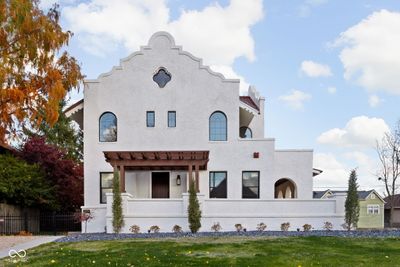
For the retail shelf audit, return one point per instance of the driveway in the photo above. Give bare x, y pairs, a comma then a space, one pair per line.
18, 243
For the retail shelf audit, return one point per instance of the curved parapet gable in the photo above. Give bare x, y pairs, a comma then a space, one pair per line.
162, 41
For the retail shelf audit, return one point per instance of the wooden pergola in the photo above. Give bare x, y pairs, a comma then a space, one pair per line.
158, 160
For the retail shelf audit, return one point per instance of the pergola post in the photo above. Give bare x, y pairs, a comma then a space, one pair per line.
196, 169
122, 178
190, 170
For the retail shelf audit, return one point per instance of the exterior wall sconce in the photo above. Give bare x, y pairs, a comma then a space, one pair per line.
256, 155
178, 180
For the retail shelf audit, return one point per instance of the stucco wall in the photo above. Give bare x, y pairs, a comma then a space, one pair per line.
194, 92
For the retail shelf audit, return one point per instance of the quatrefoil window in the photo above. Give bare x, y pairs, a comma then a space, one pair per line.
162, 77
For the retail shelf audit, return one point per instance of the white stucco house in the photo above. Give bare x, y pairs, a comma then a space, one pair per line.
162, 118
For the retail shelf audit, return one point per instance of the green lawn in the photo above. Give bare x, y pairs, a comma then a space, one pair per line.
230, 251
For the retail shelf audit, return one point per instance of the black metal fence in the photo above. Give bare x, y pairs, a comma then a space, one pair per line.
45, 223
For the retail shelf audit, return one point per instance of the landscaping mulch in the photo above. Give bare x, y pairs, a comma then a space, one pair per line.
349, 234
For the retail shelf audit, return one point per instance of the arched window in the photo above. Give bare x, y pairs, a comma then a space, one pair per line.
285, 188
108, 127
218, 126
245, 132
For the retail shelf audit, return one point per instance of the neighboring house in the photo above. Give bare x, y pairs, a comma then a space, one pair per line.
162, 118
371, 206
396, 212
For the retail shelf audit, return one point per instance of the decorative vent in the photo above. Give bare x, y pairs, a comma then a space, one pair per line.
162, 77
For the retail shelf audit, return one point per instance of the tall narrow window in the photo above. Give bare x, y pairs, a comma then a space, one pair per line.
108, 127
150, 119
106, 179
218, 184
171, 118
245, 132
218, 126
251, 184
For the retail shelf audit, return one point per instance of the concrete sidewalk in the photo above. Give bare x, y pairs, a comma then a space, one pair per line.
27, 245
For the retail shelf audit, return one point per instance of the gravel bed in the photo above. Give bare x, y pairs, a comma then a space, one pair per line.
104, 236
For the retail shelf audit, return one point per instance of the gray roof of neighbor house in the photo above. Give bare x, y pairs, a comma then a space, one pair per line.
361, 194
396, 202
319, 194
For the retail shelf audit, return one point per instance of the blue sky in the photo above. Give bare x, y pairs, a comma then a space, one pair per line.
328, 69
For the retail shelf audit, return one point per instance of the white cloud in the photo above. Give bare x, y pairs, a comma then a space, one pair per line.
217, 34
374, 101
308, 5
296, 99
371, 54
314, 69
334, 174
332, 90
360, 131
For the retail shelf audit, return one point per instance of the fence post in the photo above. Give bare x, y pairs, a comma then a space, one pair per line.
26, 221
54, 223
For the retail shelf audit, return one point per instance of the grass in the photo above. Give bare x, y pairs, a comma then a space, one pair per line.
221, 251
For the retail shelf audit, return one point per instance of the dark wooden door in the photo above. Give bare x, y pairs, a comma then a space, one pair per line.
160, 184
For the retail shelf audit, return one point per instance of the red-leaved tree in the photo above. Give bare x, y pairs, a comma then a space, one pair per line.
64, 174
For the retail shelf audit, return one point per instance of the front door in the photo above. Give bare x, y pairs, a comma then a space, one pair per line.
160, 184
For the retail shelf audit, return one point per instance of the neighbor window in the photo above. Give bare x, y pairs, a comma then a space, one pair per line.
218, 184
171, 118
251, 184
106, 179
218, 126
108, 127
373, 209
150, 119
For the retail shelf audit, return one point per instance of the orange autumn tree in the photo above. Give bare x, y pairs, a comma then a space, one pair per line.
35, 74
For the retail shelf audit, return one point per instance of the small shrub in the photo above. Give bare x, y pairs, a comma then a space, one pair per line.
216, 227
261, 227
177, 229
328, 226
154, 229
134, 229
285, 226
238, 227
307, 227
24, 233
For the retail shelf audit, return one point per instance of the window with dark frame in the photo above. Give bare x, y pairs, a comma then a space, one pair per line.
106, 179
251, 184
218, 184
171, 118
150, 118
218, 127
108, 127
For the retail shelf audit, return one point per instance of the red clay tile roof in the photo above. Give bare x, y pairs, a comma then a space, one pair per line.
248, 101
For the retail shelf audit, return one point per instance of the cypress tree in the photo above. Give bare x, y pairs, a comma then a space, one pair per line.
118, 219
352, 205
194, 212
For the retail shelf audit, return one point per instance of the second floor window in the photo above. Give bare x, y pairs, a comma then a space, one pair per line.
218, 126
150, 119
108, 127
171, 118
